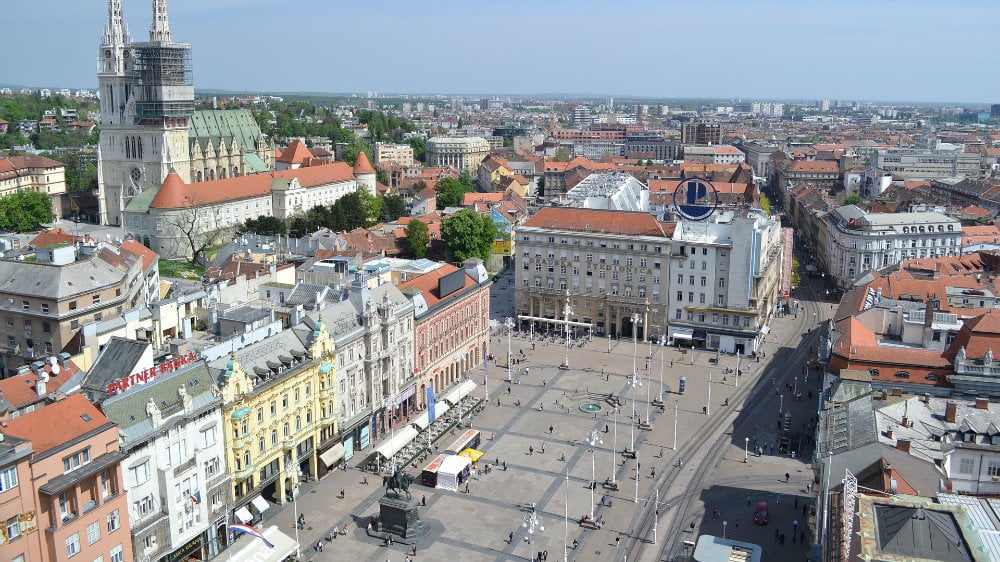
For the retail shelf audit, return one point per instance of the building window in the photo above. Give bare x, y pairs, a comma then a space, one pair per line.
722, 282
677, 314
113, 521
72, 305
76, 460
14, 529
93, 532
966, 466
139, 474
117, 554
96, 299
25, 305
8, 478
45, 307
73, 545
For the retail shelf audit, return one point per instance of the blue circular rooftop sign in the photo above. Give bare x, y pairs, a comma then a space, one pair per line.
696, 199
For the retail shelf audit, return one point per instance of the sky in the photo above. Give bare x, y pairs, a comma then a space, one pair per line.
852, 50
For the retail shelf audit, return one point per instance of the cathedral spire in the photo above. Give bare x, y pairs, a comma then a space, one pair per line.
159, 30
114, 30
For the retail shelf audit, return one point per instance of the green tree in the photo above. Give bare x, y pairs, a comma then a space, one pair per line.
417, 143
264, 225
371, 207
25, 210
541, 186
765, 204
467, 234
449, 193
796, 276
352, 150
465, 178
852, 200
393, 207
417, 239
561, 155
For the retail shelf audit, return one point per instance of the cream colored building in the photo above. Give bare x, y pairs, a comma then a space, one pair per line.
401, 154
464, 153
34, 173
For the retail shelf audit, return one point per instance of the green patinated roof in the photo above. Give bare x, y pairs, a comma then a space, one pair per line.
223, 125
280, 184
140, 203
253, 164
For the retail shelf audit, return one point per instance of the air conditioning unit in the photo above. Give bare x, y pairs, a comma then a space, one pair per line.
995, 478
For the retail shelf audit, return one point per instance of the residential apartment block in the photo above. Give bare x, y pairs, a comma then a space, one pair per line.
608, 266
917, 163
34, 173
401, 154
76, 482
716, 154
462, 153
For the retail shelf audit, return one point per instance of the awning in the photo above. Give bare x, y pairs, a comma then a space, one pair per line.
243, 514
440, 409
332, 455
260, 503
463, 390
682, 333
401, 437
256, 550
764, 331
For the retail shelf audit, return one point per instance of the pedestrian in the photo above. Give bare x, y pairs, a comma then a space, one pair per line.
652, 472
505, 466
531, 451
343, 493
795, 525
466, 487
319, 546
423, 501
778, 500
776, 535
550, 430
302, 521
748, 500
618, 539
414, 550
508, 390
498, 402
510, 538
545, 555
605, 428
781, 539
365, 481
543, 448
787, 476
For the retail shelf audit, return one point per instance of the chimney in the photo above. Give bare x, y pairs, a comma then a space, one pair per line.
950, 410
927, 398
888, 433
903, 445
904, 421
982, 403
932, 308
64, 359
897, 391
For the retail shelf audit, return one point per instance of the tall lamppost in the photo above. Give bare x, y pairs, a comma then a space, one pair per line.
659, 397
635, 341
295, 514
633, 382
676, 405
593, 439
637, 476
532, 522
614, 446
566, 518
737, 370
746, 448
609, 341
566, 312
648, 361
509, 322
708, 406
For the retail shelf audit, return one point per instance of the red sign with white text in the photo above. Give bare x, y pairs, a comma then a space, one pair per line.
145, 375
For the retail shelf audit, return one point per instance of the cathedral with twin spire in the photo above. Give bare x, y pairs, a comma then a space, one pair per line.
149, 125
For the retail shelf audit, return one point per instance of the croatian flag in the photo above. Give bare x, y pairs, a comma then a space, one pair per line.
430, 405
248, 530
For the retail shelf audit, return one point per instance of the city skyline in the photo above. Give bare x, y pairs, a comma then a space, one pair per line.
771, 50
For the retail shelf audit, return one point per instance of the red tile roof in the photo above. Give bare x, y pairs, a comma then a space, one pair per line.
52, 237
134, 247
175, 194
296, 153
20, 390
362, 165
814, 167
595, 220
428, 285
57, 423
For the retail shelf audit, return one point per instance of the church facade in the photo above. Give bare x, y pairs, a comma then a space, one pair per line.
149, 127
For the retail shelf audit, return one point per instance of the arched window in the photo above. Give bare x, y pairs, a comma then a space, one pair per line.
285, 430
274, 437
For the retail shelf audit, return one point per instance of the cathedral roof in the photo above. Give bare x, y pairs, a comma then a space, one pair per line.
175, 194
362, 165
221, 126
296, 153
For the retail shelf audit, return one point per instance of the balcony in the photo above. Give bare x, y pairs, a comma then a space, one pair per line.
288, 443
245, 473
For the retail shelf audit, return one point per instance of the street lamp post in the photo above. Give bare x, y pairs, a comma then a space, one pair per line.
724, 525
509, 322
637, 476
781, 401
737, 370
609, 342
531, 522
659, 397
614, 445
647, 389
633, 382
461, 374
676, 405
593, 439
566, 518
566, 312
708, 407
746, 448
635, 340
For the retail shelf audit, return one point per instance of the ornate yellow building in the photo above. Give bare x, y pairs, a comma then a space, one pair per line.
279, 412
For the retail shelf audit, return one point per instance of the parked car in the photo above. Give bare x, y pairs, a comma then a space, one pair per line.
760, 513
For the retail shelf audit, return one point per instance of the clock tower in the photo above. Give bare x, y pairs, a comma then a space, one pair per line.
147, 99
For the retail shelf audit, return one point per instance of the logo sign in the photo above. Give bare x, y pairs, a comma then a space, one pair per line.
145, 375
696, 199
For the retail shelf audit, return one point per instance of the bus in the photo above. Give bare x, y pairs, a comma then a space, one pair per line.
429, 476
468, 440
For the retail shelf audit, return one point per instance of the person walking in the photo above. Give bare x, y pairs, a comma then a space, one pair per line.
510, 538
787, 477
748, 500
505, 466
531, 450
414, 550
550, 430
423, 501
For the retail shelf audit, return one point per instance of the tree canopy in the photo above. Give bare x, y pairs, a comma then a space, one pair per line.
417, 239
25, 210
393, 207
449, 192
467, 234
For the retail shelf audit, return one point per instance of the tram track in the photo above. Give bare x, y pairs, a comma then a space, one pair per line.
711, 445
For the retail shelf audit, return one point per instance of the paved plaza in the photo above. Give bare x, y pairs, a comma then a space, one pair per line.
476, 525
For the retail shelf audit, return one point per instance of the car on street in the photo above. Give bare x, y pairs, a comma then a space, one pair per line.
760, 513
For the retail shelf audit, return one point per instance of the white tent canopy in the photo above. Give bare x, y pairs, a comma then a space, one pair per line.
463, 390
256, 550
450, 468
422, 421
401, 437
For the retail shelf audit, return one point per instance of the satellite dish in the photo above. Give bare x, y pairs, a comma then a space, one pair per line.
54, 365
